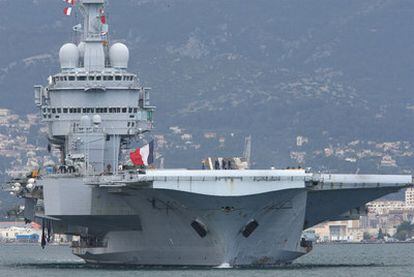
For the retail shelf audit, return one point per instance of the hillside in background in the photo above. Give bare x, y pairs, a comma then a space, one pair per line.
324, 84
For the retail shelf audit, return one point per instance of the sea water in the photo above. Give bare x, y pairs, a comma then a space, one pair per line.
325, 260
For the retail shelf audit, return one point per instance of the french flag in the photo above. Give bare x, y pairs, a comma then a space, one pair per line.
144, 155
72, 2
67, 11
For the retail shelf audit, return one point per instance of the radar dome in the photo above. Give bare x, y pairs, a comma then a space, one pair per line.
96, 119
82, 48
69, 56
85, 122
119, 55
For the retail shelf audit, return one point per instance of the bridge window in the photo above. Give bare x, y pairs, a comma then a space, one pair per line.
65, 110
53, 110
118, 78
124, 110
91, 78
59, 110
71, 78
81, 78
98, 78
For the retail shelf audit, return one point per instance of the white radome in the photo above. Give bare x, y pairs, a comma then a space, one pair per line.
85, 121
97, 119
119, 55
82, 48
69, 56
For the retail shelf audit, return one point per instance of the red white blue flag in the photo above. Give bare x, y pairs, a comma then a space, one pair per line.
67, 11
144, 155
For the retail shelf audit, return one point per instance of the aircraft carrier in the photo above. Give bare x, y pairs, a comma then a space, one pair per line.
95, 110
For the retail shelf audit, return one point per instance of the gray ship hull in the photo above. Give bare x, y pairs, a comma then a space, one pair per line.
156, 228
150, 221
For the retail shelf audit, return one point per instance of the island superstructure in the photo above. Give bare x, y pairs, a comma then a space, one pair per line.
96, 110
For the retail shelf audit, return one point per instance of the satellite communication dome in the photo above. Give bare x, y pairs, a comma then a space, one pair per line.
85, 122
119, 55
81, 48
69, 56
97, 119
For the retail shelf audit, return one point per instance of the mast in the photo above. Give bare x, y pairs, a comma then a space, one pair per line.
95, 32
95, 27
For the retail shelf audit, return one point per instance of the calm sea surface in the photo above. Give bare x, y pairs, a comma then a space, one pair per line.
325, 260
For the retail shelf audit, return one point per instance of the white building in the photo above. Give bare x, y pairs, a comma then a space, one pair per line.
300, 140
409, 197
383, 207
18, 231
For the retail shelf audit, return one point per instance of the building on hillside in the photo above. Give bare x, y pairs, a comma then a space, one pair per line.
4, 112
384, 207
409, 197
300, 140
